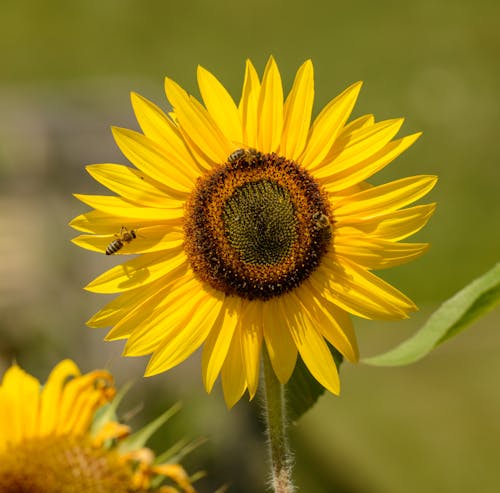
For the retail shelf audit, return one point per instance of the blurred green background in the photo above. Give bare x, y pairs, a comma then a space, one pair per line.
66, 72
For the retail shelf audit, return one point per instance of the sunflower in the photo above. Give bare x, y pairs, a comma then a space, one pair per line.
253, 227
53, 439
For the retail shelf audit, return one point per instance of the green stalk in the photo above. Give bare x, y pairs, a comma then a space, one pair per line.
276, 424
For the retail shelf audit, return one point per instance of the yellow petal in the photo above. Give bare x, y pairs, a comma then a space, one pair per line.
280, 346
270, 109
297, 113
327, 126
356, 124
132, 185
358, 147
251, 343
384, 198
154, 160
19, 421
148, 239
143, 325
359, 292
198, 123
233, 372
357, 172
344, 321
119, 306
395, 225
137, 272
102, 223
218, 342
159, 128
320, 310
375, 253
311, 346
249, 105
51, 396
220, 105
148, 323
118, 206
182, 340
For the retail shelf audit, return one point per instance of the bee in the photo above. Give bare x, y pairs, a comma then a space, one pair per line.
250, 154
320, 220
125, 236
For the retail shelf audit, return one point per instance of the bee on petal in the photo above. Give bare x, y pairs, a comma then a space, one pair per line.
124, 236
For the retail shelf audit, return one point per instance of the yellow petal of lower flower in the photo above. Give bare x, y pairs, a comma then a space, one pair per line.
327, 126
248, 106
218, 342
359, 171
343, 339
52, 393
312, 347
177, 473
270, 109
375, 253
137, 272
123, 208
233, 372
29, 391
297, 112
198, 123
17, 389
220, 105
393, 226
251, 343
132, 185
111, 430
182, 340
155, 161
159, 128
80, 399
384, 198
279, 343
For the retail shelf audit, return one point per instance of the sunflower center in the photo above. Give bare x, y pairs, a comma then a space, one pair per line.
256, 226
64, 464
259, 221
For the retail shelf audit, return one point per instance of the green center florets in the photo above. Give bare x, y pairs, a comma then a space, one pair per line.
260, 222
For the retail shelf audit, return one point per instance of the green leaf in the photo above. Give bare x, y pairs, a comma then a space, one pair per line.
179, 450
303, 390
454, 315
138, 439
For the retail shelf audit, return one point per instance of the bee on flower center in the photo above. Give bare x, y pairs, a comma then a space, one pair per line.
124, 236
320, 220
249, 155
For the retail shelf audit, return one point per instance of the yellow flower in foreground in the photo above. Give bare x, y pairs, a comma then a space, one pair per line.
253, 226
52, 440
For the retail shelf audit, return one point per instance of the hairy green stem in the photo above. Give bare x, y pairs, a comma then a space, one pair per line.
276, 423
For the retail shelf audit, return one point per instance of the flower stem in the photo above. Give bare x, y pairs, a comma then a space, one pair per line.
276, 422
